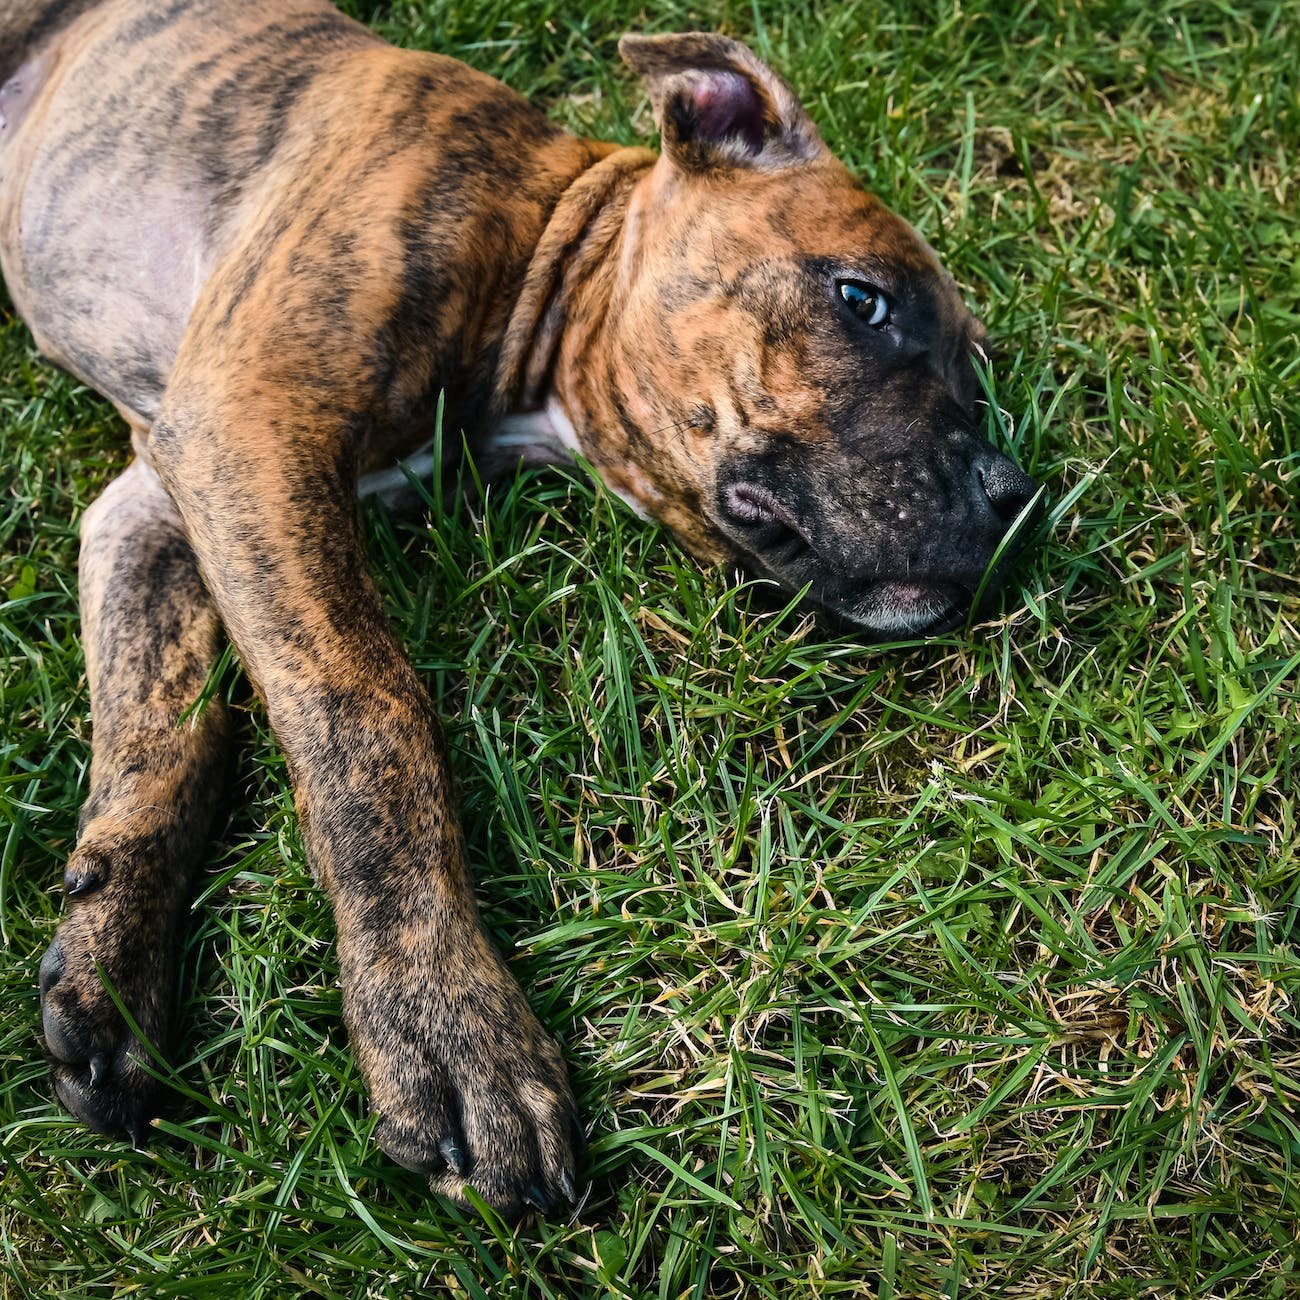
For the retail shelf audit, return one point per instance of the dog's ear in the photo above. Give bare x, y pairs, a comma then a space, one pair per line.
718, 105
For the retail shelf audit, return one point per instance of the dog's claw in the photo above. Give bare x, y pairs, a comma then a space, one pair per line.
454, 1156
567, 1187
538, 1199
53, 965
84, 875
97, 1067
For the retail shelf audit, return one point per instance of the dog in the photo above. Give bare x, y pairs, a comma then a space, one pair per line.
274, 242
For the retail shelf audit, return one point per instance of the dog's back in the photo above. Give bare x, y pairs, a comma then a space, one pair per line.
147, 137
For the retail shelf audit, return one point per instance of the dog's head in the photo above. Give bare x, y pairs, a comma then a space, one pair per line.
786, 377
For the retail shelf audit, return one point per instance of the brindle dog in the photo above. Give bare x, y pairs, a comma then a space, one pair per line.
272, 241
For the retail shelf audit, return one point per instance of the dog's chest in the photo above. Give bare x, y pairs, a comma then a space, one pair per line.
544, 437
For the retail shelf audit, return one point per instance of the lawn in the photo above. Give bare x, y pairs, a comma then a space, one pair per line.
954, 969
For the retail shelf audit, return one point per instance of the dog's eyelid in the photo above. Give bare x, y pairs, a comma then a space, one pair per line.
874, 275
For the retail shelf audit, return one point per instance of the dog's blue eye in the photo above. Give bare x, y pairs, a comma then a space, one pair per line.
867, 303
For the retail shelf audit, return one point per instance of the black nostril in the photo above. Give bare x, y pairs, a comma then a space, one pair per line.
754, 505
1008, 488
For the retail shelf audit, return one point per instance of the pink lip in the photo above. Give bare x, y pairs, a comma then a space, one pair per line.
906, 593
909, 608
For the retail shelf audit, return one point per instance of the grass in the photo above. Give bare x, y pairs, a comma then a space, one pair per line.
955, 970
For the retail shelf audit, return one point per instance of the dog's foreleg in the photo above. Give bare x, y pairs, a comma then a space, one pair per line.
151, 635
470, 1088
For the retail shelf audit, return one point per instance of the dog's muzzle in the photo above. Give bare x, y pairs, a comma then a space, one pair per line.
889, 548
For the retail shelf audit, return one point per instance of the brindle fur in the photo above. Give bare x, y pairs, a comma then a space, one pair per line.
272, 241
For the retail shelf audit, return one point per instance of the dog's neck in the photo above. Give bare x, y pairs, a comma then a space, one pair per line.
542, 398
569, 285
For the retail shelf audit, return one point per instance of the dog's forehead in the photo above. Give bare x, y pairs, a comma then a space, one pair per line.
816, 210
712, 277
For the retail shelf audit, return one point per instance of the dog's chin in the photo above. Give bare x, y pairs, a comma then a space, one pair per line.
897, 610
887, 610
902, 610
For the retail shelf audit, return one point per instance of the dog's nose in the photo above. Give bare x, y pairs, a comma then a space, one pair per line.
1008, 488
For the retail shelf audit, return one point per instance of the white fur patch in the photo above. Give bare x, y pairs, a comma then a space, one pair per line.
545, 437
540, 437
388, 484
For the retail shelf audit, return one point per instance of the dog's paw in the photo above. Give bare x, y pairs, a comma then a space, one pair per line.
95, 1059
471, 1090
513, 1139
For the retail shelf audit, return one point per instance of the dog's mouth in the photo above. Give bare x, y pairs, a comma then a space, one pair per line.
967, 563
886, 609
908, 608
